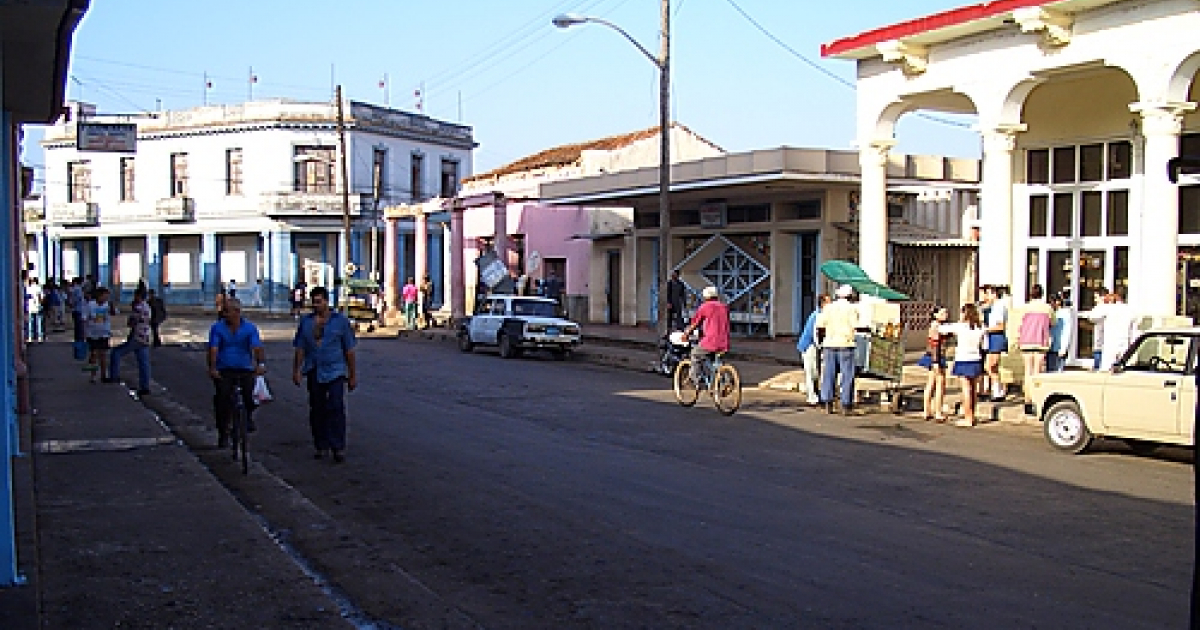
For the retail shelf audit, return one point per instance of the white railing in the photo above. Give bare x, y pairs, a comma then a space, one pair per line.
176, 209
311, 204
76, 213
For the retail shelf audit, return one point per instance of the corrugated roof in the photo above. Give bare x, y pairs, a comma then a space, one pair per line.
568, 154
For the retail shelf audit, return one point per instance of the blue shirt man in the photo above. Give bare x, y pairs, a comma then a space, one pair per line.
234, 346
324, 356
235, 356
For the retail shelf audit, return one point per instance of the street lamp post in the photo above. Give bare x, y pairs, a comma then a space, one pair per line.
663, 63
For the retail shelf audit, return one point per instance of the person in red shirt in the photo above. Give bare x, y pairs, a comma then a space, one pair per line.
712, 318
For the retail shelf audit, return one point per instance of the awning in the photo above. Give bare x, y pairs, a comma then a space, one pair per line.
844, 272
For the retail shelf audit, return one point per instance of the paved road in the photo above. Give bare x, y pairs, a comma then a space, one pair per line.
480, 492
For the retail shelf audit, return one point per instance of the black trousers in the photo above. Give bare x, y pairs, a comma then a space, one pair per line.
155, 338
223, 398
327, 412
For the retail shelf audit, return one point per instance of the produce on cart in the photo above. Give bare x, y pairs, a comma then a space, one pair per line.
359, 307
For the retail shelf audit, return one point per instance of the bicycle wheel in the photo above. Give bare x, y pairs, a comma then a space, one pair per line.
686, 391
727, 389
241, 439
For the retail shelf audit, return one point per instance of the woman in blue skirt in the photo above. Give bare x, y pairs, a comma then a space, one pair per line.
934, 360
968, 358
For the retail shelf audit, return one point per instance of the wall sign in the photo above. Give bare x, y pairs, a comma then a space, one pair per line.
712, 215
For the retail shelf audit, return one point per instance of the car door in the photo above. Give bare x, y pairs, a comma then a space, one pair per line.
479, 321
494, 318
1144, 396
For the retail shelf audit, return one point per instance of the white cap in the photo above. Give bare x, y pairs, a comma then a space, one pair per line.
709, 292
844, 291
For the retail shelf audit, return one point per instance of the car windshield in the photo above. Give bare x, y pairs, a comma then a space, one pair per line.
1160, 353
535, 308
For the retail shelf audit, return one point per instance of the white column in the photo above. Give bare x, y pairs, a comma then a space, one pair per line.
995, 210
872, 209
1154, 289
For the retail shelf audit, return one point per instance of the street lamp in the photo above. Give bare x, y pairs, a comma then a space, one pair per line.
663, 63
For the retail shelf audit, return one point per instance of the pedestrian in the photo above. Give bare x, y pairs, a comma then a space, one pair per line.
231, 288
676, 300
552, 288
712, 320
971, 339
1033, 336
77, 302
235, 357
138, 343
1098, 306
256, 294
297, 298
1061, 332
52, 313
408, 297
158, 315
427, 299
324, 358
89, 285
219, 302
1120, 324
997, 338
35, 304
810, 353
934, 360
98, 314
836, 328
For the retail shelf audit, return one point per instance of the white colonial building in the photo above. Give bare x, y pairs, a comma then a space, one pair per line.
243, 193
1081, 104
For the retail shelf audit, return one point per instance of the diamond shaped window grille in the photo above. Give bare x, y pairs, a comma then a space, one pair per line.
734, 273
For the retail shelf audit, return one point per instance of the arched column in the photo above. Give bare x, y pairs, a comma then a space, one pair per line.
500, 215
458, 290
391, 263
995, 208
420, 247
872, 210
1154, 289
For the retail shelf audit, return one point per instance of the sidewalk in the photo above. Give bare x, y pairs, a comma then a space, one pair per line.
121, 526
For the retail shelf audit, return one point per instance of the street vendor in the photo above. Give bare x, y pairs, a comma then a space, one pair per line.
836, 328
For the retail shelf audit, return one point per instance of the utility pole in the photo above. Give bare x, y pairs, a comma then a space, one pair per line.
664, 167
341, 131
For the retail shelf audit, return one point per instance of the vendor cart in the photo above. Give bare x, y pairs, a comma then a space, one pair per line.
360, 303
879, 351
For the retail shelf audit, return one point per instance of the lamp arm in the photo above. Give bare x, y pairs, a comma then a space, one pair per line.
654, 60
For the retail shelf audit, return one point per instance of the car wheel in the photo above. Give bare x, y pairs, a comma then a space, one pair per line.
1142, 447
507, 349
464, 341
1065, 428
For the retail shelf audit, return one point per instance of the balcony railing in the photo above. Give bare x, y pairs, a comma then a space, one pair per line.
77, 213
176, 209
303, 204
35, 212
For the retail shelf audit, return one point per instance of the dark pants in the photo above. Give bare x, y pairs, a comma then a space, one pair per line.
77, 321
675, 318
327, 412
223, 399
155, 338
141, 352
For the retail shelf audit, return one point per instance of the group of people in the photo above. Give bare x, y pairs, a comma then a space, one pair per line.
412, 296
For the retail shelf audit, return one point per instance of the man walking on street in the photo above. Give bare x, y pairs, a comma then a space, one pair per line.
836, 325
676, 297
324, 356
138, 343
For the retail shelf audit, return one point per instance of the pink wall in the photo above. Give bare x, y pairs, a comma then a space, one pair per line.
548, 230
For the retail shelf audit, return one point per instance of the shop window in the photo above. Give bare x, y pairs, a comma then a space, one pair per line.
1120, 160
1118, 213
1189, 145
1091, 162
1039, 206
1064, 165
758, 213
1189, 209
1037, 166
1091, 214
1063, 207
800, 210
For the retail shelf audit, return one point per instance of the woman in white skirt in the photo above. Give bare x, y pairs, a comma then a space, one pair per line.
968, 358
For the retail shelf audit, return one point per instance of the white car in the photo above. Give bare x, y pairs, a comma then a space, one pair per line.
1147, 399
516, 323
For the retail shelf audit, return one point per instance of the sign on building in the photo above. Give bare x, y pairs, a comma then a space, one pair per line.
117, 137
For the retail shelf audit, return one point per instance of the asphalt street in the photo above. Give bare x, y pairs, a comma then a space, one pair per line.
533, 493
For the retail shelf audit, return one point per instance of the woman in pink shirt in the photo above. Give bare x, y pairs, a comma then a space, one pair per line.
408, 295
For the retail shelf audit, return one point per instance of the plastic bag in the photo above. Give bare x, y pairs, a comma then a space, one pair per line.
261, 393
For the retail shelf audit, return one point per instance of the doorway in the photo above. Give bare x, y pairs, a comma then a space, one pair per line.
314, 269
612, 287
804, 291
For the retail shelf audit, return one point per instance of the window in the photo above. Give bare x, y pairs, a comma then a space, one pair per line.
233, 172
416, 177
1032, 268
179, 174
449, 178
1189, 209
1120, 160
1091, 215
800, 210
1037, 166
759, 213
1118, 213
127, 179
1064, 165
79, 182
378, 173
314, 169
1061, 225
1091, 163
1039, 207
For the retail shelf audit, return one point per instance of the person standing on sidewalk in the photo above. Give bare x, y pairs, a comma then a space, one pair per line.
1060, 334
810, 353
408, 297
158, 315
836, 327
324, 357
138, 343
235, 356
427, 301
968, 358
1033, 337
98, 314
934, 360
34, 307
997, 338
676, 297
76, 300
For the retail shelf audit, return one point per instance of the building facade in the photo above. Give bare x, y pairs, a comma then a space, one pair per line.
243, 193
1082, 105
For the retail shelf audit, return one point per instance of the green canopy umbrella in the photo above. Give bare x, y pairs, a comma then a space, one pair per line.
845, 272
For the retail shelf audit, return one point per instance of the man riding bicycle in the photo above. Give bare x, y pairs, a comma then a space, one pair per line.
235, 357
712, 318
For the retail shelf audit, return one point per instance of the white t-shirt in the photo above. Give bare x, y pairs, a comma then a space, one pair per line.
998, 315
970, 340
33, 299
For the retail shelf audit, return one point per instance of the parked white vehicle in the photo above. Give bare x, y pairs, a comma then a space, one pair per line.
1148, 398
515, 323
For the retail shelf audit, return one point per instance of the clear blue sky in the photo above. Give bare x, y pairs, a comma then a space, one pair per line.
524, 84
